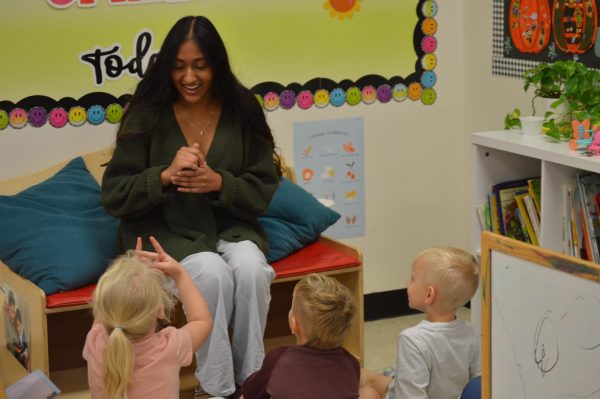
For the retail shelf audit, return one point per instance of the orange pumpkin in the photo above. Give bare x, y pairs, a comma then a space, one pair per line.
575, 25
529, 24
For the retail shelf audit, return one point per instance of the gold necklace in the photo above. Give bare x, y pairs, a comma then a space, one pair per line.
210, 116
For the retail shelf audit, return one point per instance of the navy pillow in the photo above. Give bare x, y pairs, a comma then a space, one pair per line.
56, 233
293, 219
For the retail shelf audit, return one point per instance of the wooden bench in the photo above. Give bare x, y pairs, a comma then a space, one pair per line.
60, 322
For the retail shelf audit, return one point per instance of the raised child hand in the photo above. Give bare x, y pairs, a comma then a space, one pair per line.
159, 259
199, 319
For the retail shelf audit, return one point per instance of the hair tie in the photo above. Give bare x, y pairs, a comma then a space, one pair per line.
118, 327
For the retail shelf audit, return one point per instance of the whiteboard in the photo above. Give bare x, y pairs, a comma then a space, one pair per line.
540, 323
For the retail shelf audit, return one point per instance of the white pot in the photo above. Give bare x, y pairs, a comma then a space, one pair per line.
544, 105
532, 125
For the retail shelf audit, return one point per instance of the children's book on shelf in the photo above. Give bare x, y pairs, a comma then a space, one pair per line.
505, 199
494, 213
534, 186
524, 231
568, 246
525, 215
589, 186
484, 217
576, 223
571, 223
513, 227
533, 217
597, 202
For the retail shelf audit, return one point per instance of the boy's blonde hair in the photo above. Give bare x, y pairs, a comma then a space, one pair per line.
453, 272
127, 301
325, 309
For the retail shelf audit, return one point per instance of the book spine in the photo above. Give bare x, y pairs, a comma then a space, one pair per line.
525, 214
574, 227
567, 236
535, 219
586, 238
523, 225
494, 212
586, 203
488, 217
534, 190
499, 214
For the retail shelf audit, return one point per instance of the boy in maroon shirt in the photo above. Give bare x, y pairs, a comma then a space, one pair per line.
317, 367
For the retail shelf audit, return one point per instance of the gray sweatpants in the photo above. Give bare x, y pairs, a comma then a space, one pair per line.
236, 286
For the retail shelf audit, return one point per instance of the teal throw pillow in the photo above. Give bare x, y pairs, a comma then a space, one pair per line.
56, 233
293, 219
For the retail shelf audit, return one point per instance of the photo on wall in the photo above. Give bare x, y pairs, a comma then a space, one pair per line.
17, 332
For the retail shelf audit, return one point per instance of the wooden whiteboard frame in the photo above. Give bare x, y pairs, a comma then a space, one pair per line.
537, 255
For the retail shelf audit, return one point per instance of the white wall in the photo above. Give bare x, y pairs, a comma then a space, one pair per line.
487, 97
416, 156
28, 150
415, 162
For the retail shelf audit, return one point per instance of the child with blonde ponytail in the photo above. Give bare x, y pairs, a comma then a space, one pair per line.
128, 356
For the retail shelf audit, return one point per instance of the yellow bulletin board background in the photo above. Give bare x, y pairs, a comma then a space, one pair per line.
381, 49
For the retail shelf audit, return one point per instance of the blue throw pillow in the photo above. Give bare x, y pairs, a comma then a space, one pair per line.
293, 219
56, 233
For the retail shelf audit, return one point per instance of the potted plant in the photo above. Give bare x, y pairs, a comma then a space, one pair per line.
548, 81
564, 82
581, 94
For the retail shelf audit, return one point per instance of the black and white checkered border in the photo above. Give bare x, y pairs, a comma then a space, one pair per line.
501, 65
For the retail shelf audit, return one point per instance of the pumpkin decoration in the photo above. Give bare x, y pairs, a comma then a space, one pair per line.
529, 24
575, 25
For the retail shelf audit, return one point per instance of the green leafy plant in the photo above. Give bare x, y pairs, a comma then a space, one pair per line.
512, 121
557, 130
549, 80
546, 79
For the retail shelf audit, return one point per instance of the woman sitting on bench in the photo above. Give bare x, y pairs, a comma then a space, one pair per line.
194, 166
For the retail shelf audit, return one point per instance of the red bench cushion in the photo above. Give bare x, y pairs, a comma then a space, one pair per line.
80, 296
315, 257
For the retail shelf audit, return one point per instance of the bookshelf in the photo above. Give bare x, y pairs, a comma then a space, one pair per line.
507, 155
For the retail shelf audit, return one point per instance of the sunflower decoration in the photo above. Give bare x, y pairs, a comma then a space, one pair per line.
342, 8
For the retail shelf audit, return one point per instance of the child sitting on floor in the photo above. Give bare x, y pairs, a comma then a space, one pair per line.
317, 367
437, 357
127, 356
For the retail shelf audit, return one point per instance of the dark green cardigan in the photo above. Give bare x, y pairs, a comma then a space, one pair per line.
186, 223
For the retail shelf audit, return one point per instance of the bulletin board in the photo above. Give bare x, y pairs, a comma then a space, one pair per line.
540, 322
294, 54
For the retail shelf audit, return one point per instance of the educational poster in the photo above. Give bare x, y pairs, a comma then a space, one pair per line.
17, 331
58, 67
526, 32
329, 163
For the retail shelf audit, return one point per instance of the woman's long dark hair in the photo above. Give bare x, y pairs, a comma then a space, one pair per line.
156, 91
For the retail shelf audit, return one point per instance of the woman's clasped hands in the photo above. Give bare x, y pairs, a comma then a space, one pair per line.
190, 172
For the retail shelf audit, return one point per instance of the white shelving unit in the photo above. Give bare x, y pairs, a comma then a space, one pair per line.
503, 155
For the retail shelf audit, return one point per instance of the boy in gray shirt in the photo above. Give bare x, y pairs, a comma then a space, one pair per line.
437, 357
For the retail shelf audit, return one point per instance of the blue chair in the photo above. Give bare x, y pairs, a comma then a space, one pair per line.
472, 390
